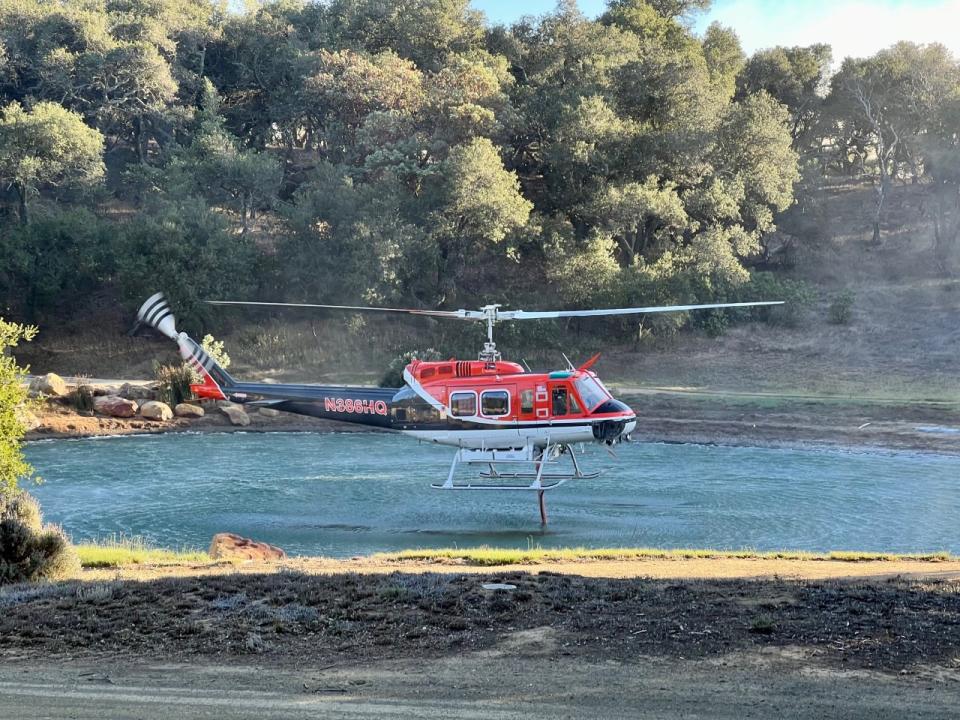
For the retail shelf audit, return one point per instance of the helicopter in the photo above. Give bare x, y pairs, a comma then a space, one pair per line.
518, 424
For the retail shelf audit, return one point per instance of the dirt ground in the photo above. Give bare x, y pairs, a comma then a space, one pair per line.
367, 638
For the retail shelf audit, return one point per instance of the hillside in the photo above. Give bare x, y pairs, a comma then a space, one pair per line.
902, 340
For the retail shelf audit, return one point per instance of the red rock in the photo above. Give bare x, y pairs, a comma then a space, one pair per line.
115, 406
228, 546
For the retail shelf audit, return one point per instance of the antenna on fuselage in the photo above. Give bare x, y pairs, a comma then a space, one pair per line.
569, 364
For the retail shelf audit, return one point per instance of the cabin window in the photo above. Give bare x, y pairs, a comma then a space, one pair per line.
445, 370
526, 402
559, 395
494, 403
463, 404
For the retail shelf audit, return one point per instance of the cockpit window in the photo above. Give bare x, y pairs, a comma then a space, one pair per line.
591, 392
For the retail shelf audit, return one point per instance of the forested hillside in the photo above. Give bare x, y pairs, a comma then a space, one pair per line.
363, 152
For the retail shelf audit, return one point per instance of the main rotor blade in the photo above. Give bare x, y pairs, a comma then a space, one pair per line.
461, 314
547, 314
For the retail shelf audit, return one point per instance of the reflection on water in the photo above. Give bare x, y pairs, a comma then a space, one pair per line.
347, 494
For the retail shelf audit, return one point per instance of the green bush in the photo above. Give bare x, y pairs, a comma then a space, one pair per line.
174, 383
841, 308
796, 295
81, 399
28, 549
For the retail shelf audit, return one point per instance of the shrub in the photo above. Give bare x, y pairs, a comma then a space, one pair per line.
81, 399
173, 383
215, 350
796, 295
28, 549
393, 377
841, 308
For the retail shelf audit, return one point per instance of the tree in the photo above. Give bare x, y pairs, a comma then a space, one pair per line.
47, 147
724, 56
794, 76
13, 395
753, 149
480, 205
888, 104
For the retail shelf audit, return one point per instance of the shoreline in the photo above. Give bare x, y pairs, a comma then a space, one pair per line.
675, 417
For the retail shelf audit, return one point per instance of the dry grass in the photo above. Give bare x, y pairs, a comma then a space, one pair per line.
486, 556
124, 551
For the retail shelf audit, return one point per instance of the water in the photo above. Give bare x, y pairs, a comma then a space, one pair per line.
347, 494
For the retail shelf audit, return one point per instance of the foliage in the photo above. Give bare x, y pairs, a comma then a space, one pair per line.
185, 248
214, 349
796, 295
840, 311
81, 398
46, 146
29, 550
794, 76
56, 260
393, 377
173, 383
13, 395
364, 152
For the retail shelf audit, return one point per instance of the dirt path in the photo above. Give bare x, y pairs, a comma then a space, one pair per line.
523, 677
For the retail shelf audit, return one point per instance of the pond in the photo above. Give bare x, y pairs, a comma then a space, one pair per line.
343, 494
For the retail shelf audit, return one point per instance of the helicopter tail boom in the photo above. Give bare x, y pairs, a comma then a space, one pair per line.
157, 313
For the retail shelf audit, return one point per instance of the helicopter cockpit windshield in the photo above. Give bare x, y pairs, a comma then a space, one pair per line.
591, 392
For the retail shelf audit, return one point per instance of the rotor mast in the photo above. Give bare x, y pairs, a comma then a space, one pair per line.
490, 353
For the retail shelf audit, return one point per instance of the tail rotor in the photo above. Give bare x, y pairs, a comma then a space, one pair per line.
156, 313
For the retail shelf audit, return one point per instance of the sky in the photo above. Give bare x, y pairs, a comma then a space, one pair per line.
853, 27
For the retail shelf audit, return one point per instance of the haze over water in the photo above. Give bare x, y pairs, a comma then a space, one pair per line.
356, 493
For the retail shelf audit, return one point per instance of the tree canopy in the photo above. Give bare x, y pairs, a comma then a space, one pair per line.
357, 150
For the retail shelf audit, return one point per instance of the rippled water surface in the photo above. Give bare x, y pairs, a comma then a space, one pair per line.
346, 494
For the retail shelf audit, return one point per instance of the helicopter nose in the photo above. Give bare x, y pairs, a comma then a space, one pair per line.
609, 431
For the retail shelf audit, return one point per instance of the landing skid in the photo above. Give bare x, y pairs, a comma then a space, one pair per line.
540, 481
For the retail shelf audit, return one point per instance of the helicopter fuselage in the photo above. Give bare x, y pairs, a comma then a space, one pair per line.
472, 404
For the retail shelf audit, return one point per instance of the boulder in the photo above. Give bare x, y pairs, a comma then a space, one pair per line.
236, 414
100, 390
115, 406
136, 392
29, 420
268, 412
228, 546
50, 384
188, 410
156, 410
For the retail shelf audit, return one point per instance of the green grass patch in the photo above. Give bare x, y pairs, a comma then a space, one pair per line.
118, 552
487, 556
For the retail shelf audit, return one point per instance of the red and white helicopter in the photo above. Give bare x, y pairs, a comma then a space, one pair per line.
516, 423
